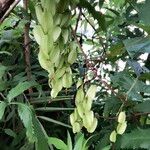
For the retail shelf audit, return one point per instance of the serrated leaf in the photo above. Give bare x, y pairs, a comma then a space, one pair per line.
41, 142
2, 109
25, 115
138, 138
19, 89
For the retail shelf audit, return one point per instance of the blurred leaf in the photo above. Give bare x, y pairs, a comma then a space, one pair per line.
2, 108
10, 133
137, 139
136, 46
144, 12
143, 107
96, 15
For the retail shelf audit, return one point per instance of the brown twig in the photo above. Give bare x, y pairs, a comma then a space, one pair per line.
14, 4
27, 46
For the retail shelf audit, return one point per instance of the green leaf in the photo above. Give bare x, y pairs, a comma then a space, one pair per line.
2, 109
59, 144
136, 46
19, 89
138, 138
143, 107
25, 115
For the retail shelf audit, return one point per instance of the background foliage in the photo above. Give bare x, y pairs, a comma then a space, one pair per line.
114, 36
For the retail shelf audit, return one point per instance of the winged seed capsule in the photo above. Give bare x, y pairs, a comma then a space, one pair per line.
122, 117
113, 136
121, 127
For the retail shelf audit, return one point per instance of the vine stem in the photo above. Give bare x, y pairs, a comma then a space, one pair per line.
27, 46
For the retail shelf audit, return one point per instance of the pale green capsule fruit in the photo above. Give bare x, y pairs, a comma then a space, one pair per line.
38, 34
121, 127
91, 92
76, 127
56, 33
72, 56
89, 117
65, 35
43, 60
60, 72
87, 104
72, 119
58, 85
54, 55
79, 83
64, 20
67, 80
122, 117
47, 22
93, 126
45, 44
50, 5
80, 110
39, 13
61, 62
54, 93
79, 96
113, 136
57, 19
68, 70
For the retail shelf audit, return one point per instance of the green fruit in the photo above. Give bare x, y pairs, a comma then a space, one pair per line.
91, 92
122, 117
93, 126
44, 61
80, 110
113, 136
56, 33
38, 34
72, 56
88, 118
79, 96
76, 127
39, 13
121, 127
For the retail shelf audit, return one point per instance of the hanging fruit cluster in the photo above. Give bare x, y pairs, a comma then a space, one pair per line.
83, 115
57, 52
121, 127
56, 49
